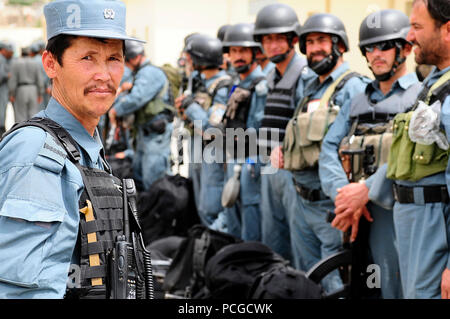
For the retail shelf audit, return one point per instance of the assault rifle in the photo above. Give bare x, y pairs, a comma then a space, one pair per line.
353, 258
129, 258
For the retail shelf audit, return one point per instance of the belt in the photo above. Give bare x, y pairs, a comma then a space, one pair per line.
313, 195
421, 195
22, 83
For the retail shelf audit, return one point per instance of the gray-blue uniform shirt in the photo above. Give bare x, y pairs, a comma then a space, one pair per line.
39, 213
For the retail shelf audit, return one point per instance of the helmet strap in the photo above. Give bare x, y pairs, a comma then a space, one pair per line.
329, 62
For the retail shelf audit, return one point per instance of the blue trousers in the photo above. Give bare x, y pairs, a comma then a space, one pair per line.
277, 200
212, 177
383, 249
423, 233
244, 218
314, 238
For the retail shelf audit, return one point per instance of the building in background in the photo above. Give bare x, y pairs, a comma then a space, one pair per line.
165, 23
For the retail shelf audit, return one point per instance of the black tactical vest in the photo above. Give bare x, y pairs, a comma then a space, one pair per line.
101, 225
280, 104
239, 121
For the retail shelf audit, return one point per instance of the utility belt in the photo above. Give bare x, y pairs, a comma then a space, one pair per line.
421, 195
312, 195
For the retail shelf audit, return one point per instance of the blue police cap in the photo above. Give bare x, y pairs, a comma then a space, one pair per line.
88, 18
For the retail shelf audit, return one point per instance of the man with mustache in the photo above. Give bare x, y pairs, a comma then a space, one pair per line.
414, 182
148, 100
366, 125
323, 39
53, 173
245, 110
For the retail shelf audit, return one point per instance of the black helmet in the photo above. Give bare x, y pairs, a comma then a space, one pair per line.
133, 49
276, 18
323, 23
188, 38
239, 35
222, 30
329, 24
385, 25
205, 51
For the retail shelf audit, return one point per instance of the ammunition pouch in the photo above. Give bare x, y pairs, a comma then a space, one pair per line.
362, 154
306, 130
413, 161
304, 134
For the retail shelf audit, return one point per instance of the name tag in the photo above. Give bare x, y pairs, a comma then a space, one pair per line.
313, 105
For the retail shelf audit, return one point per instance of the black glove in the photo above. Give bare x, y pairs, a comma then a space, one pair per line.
188, 100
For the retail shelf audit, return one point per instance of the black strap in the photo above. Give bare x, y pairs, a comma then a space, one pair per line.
312, 195
228, 83
97, 247
441, 93
93, 272
100, 225
431, 194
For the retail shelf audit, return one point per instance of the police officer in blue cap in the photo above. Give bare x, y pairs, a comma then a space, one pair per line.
44, 181
6, 54
148, 100
37, 48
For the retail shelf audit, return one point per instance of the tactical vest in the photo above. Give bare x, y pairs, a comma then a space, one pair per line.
155, 106
306, 130
413, 161
366, 146
236, 116
280, 105
101, 226
205, 97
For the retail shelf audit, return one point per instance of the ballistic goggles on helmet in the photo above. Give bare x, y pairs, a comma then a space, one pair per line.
382, 46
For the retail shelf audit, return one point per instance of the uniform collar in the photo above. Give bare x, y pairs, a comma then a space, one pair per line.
315, 84
219, 74
91, 145
278, 76
403, 82
256, 73
434, 75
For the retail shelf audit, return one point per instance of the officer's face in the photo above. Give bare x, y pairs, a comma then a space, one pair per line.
275, 44
318, 47
88, 79
380, 62
426, 37
240, 56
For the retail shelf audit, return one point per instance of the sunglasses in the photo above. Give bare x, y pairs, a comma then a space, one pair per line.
382, 46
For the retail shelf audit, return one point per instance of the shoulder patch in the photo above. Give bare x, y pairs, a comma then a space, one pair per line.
51, 156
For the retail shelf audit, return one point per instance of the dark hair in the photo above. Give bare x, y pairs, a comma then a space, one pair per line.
58, 45
439, 10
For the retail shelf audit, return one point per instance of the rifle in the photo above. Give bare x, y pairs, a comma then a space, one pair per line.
352, 260
126, 281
